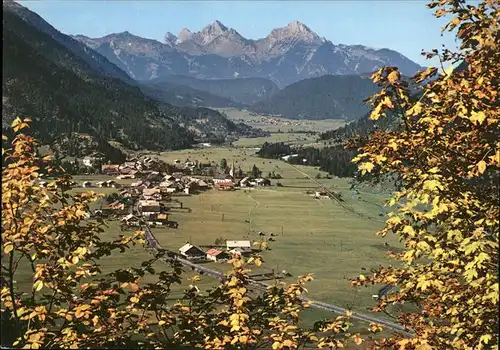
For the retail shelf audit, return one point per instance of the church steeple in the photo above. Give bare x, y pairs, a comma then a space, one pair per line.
231, 171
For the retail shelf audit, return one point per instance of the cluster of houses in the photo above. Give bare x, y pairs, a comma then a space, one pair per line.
193, 252
149, 196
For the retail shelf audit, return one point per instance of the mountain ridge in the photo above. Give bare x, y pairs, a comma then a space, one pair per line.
76, 106
286, 55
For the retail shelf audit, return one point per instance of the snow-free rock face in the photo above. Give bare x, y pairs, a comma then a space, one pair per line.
170, 39
288, 54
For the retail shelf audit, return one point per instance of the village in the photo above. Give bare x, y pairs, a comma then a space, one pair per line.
156, 194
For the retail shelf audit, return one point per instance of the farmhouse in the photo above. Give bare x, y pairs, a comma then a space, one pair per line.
238, 244
125, 193
287, 157
88, 161
154, 176
168, 184
137, 183
223, 181
217, 255
149, 207
127, 218
192, 252
222, 178
151, 193
115, 207
241, 251
245, 182
108, 183
169, 178
202, 184
110, 169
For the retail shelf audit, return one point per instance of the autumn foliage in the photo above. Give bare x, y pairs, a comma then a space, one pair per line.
73, 304
446, 154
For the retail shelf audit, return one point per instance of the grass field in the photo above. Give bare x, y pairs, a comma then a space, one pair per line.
285, 125
317, 236
289, 138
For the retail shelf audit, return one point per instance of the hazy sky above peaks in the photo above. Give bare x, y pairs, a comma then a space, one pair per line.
404, 26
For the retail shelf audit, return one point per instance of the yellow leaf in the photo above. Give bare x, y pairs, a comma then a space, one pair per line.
393, 76
196, 278
243, 339
358, 340
161, 323
432, 185
38, 285
366, 167
485, 338
258, 262
477, 117
448, 71
408, 229
8, 248
481, 166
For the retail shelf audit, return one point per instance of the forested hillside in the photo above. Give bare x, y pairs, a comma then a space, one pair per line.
326, 97
209, 125
241, 90
45, 81
185, 96
335, 160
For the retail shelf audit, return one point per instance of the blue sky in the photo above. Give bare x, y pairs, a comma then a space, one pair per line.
405, 26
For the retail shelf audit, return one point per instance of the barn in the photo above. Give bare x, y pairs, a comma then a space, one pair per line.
217, 255
192, 252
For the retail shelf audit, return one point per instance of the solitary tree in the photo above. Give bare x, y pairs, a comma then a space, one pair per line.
223, 164
255, 171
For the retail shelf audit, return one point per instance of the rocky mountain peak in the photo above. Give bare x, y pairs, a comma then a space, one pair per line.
216, 28
170, 39
295, 30
185, 34
298, 27
210, 32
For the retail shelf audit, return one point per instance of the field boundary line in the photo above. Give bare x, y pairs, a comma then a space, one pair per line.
346, 207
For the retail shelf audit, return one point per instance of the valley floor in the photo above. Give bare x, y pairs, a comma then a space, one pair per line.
332, 240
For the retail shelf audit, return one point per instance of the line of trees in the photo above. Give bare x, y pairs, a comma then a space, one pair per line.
335, 160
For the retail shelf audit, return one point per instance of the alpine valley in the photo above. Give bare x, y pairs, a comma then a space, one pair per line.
122, 91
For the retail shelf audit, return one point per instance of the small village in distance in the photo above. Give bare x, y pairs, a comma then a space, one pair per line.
157, 190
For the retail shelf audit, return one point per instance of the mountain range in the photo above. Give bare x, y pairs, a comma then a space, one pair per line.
80, 101
285, 56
